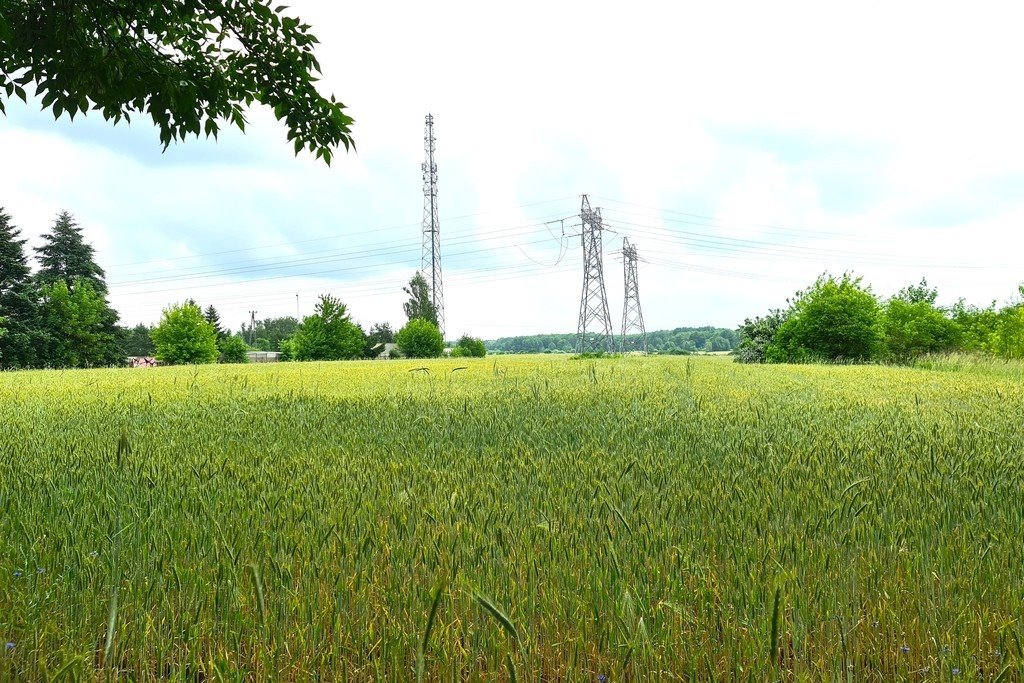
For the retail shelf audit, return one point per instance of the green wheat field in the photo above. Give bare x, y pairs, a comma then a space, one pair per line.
529, 518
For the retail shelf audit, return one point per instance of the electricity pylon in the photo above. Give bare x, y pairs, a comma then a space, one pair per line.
594, 331
632, 316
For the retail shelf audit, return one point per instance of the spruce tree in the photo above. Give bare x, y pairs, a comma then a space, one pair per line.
213, 317
18, 304
67, 257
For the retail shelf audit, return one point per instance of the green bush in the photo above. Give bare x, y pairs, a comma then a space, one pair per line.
835, 320
184, 336
329, 334
420, 339
233, 350
469, 347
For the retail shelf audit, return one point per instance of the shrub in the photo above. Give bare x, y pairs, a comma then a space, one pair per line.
184, 336
233, 350
420, 339
469, 347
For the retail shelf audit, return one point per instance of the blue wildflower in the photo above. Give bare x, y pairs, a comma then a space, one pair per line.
40, 570
602, 678
17, 573
10, 646
904, 649
956, 672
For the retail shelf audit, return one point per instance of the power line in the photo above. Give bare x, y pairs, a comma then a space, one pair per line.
732, 247
804, 231
405, 261
332, 237
400, 246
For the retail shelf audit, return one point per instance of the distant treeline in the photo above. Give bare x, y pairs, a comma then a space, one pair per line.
677, 341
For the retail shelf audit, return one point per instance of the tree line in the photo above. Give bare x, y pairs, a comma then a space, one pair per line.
681, 340
58, 317
840, 319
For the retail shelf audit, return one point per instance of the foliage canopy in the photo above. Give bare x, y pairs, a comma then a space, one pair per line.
191, 65
329, 334
420, 338
419, 305
184, 337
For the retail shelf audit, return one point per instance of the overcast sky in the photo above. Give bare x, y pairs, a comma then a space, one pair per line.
744, 148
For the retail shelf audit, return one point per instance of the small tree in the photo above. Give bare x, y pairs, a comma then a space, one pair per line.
379, 335
420, 338
184, 336
1008, 339
213, 317
756, 335
329, 334
419, 304
269, 333
287, 348
136, 341
469, 347
914, 326
975, 326
233, 349
836, 319
77, 320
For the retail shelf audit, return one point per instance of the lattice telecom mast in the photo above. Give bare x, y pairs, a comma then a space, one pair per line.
431, 262
632, 316
594, 301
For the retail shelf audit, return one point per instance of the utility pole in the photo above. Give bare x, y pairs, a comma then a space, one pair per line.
632, 316
298, 313
252, 327
431, 261
594, 312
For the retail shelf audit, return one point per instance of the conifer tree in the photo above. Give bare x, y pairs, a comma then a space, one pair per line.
18, 302
67, 257
213, 317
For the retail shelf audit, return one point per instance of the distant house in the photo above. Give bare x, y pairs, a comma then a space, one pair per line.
386, 353
264, 356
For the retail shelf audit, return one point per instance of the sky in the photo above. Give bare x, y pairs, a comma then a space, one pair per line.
744, 148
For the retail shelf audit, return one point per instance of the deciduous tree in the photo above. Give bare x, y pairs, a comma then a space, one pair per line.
329, 334
233, 349
190, 65
837, 319
77, 320
419, 305
184, 337
420, 338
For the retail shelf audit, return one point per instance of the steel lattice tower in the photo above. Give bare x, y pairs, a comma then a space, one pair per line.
632, 316
594, 300
431, 261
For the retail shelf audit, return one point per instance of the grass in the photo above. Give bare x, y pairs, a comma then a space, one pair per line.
537, 518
